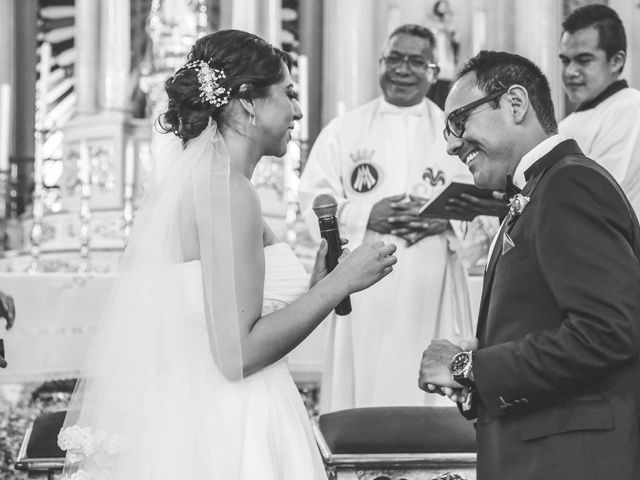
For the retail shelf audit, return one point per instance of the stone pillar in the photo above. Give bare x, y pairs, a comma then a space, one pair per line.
500, 20
7, 59
261, 17
115, 54
530, 29
537, 37
25, 77
242, 15
7, 41
270, 25
311, 45
87, 46
350, 76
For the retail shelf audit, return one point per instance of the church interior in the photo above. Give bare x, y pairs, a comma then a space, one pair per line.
81, 87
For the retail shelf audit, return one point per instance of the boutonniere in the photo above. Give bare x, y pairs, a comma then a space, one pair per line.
517, 204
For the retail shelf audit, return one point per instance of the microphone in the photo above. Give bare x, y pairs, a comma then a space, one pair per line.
325, 208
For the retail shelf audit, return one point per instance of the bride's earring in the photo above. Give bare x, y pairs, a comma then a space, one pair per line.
252, 119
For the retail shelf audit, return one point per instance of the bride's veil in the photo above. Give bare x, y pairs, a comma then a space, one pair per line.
154, 386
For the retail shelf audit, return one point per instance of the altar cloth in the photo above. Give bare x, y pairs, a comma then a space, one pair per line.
57, 313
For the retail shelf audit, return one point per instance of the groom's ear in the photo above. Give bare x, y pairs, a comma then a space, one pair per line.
518, 98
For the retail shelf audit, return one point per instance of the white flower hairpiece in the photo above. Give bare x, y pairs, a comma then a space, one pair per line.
210, 89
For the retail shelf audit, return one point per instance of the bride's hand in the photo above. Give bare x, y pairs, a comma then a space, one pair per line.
366, 265
320, 266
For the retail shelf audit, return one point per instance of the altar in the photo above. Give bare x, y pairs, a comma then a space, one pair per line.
57, 313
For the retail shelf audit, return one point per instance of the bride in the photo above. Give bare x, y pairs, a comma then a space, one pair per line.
187, 375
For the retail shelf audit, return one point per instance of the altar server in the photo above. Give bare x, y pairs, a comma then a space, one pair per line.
606, 123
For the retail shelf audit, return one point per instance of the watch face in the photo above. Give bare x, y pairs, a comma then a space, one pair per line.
459, 363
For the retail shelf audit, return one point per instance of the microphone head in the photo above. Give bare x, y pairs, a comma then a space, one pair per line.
324, 205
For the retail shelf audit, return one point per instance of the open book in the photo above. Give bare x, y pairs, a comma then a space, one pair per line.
436, 207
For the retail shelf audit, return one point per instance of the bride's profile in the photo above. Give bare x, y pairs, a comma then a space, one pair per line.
186, 376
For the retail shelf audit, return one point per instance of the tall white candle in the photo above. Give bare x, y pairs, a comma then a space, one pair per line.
303, 85
45, 70
129, 163
41, 115
5, 119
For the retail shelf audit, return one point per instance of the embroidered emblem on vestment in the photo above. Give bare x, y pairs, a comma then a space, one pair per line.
365, 174
364, 177
434, 178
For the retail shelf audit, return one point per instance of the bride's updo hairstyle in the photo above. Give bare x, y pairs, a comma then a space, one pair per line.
219, 64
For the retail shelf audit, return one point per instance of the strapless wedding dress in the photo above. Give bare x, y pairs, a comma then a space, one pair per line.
274, 432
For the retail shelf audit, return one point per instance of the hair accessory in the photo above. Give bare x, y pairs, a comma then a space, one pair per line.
210, 89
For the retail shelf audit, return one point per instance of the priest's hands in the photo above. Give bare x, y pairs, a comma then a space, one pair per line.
493, 207
399, 215
435, 375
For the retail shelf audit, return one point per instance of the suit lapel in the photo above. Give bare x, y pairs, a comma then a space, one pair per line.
491, 268
533, 175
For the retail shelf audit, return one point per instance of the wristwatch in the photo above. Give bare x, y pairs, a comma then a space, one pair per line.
460, 368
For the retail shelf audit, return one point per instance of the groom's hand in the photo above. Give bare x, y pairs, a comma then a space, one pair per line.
456, 395
434, 368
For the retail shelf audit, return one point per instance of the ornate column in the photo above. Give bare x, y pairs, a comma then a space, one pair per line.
94, 140
87, 44
115, 53
350, 76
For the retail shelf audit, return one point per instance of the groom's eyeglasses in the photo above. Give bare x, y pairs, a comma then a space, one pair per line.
457, 119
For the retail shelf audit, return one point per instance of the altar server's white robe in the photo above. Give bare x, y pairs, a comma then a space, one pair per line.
377, 151
609, 133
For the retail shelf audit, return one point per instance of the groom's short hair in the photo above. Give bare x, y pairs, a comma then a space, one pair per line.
498, 70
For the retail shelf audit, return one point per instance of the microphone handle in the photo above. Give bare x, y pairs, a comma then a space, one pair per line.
329, 231
344, 307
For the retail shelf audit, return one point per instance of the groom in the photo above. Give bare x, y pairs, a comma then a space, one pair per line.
554, 376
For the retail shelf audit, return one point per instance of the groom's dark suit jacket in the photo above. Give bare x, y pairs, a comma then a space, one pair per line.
557, 369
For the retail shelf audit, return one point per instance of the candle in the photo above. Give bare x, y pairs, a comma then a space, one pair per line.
41, 114
129, 163
303, 84
5, 114
45, 69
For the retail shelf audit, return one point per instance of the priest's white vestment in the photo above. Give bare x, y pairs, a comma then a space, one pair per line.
375, 151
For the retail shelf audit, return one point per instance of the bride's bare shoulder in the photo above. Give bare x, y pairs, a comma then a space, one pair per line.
243, 191
245, 203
